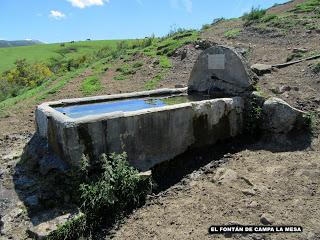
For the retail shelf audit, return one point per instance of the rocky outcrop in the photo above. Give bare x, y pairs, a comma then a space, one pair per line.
280, 117
221, 71
261, 69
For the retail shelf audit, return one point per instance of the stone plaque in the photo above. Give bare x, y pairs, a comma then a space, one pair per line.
216, 61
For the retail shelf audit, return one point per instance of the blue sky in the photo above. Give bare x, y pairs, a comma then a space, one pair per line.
66, 20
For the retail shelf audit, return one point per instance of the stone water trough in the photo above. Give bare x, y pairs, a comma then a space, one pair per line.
152, 126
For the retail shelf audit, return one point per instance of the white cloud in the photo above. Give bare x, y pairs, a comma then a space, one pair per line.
56, 14
187, 4
87, 3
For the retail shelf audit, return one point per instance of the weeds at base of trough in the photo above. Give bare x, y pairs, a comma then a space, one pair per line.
105, 197
253, 117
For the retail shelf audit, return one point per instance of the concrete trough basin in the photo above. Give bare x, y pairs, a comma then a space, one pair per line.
150, 126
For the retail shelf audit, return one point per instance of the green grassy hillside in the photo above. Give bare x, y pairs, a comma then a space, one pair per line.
42, 53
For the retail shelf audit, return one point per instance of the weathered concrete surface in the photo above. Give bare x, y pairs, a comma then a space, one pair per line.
149, 136
44, 111
221, 71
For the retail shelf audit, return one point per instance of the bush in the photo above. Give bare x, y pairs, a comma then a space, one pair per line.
232, 33
269, 17
316, 68
216, 21
107, 191
137, 64
23, 77
205, 27
253, 117
254, 15
91, 85
165, 62
115, 191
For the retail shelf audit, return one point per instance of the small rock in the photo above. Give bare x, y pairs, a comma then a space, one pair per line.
234, 223
253, 204
249, 192
300, 50
266, 219
247, 180
1, 224
184, 54
261, 69
224, 175
179, 86
284, 88
296, 88
43, 230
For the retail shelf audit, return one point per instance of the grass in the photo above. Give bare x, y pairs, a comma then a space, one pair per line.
153, 83
91, 85
308, 6
44, 52
232, 33
126, 70
269, 17
165, 62
175, 100
167, 46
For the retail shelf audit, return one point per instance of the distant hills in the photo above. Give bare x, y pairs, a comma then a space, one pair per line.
18, 43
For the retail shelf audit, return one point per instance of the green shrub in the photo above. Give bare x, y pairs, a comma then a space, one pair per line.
126, 69
217, 20
116, 189
205, 27
254, 15
91, 85
137, 64
23, 77
253, 116
311, 121
107, 190
232, 33
165, 62
152, 84
168, 45
269, 17
316, 68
